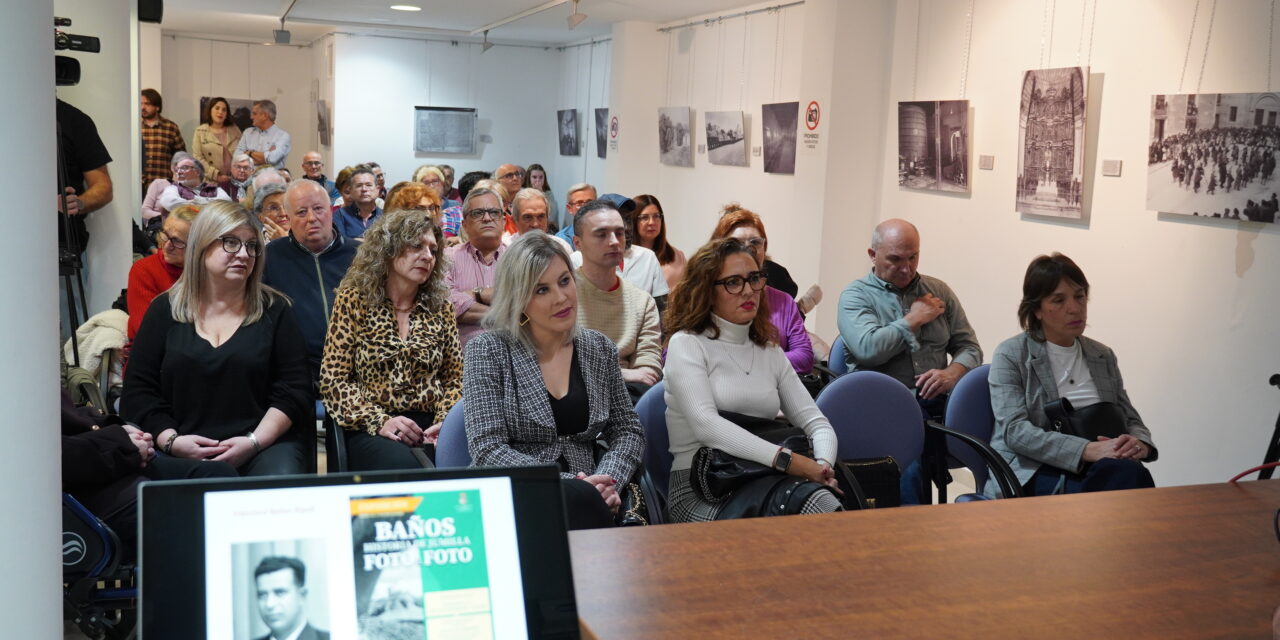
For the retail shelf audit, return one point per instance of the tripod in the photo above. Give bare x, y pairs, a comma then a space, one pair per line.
1273, 449
70, 269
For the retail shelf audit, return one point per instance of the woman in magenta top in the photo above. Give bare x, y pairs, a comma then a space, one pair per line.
154, 274
745, 225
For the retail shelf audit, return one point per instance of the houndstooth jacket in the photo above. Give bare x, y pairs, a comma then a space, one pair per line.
509, 419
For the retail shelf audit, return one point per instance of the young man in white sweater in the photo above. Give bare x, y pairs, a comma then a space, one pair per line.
609, 304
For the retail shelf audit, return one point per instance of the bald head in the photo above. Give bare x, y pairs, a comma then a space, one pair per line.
310, 214
895, 252
312, 164
510, 176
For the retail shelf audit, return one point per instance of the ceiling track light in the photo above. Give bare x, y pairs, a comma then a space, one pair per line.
576, 18
487, 45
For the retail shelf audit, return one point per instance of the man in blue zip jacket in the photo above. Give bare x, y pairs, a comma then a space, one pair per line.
309, 263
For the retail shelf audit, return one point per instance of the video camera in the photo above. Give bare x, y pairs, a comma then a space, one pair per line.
66, 68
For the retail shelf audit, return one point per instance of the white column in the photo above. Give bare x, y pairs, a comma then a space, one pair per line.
30, 601
638, 67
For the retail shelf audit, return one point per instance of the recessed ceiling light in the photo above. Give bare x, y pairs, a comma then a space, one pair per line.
405, 7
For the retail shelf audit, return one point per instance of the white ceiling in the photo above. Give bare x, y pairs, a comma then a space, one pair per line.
255, 19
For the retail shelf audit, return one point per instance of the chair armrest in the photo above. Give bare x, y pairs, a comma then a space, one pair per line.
335, 442
1000, 470
827, 374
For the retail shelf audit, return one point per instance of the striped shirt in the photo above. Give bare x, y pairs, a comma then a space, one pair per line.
159, 143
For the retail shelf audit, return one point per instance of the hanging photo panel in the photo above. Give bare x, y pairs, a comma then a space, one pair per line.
675, 136
933, 145
1051, 127
780, 122
1214, 155
567, 121
726, 138
602, 132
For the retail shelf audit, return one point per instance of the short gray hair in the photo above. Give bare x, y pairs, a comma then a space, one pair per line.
527, 193
265, 176
268, 107
260, 195
513, 283
241, 157
183, 155
476, 193
581, 186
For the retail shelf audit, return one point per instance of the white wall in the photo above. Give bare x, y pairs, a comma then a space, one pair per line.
379, 80
150, 56
198, 67
1189, 306
584, 85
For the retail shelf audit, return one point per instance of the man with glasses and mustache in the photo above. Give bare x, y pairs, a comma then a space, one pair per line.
608, 303
473, 263
313, 169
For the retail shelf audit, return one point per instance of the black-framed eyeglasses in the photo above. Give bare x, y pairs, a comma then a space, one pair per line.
232, 245
163, 238
735, 284
479, 214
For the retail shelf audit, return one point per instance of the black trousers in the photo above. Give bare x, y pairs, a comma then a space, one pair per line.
584, 508
285, 456
376, 453
1108, 474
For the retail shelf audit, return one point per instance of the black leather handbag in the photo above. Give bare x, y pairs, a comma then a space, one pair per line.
1101, 419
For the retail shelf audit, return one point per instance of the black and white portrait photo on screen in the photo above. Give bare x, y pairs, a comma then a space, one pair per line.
675, 136
726, 138
933, 145
602, 133
1214, 155
280, 587
1051, 135
567, 121
780, 122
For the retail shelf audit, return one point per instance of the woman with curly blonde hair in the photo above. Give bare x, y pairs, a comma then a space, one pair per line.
392, 367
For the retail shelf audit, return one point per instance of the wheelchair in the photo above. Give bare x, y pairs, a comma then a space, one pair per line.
99, 587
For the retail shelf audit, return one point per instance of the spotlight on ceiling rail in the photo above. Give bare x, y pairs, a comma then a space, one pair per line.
576, 18
487, 45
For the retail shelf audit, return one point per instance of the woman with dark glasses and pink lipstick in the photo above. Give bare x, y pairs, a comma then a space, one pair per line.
539, 389
1052, 361
392, 368
724, 369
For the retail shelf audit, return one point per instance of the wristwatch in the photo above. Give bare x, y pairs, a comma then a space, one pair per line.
475, 293
782, 461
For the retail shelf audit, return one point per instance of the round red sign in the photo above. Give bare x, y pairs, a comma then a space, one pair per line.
812, 115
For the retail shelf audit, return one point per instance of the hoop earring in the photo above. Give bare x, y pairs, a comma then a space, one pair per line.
525, 321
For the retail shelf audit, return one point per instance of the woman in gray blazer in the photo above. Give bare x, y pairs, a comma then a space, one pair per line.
538, 389
1052, 359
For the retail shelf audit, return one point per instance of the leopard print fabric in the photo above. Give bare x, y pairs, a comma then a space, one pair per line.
368, 373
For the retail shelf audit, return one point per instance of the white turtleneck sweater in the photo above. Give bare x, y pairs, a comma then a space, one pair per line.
732, 373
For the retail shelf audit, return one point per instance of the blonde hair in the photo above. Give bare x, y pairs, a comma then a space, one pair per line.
217, 219
513, 283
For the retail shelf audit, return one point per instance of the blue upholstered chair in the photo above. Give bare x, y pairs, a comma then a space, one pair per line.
835, 365
652, 410
451, 445
969, 412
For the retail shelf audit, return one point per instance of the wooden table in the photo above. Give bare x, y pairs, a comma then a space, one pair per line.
1198, 561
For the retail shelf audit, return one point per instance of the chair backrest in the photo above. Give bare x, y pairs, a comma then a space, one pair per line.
451, 445
836, 361
652, 410
873, 415
969, 411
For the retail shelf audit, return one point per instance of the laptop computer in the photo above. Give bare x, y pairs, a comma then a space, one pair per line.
438, 554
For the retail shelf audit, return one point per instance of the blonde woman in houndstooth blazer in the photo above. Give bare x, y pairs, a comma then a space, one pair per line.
537, 389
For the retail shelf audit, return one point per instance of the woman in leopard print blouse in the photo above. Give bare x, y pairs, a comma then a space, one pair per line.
392, 367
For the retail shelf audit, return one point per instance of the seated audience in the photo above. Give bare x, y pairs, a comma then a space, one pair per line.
723, 356
262, 177
362, 208
343, 184
450, 192
215, 141
286, 174
746, 226
268, 204
433, 177
510, 176
540, 390
649, 228
416, 196
577, 195
313, 169
152, 213
154, 274
309, 262
638, 265
188, 185
392, 367
529, 212
473, 263
536, 178
1051, 360
609, 304
237, 182
453, 218
219, 368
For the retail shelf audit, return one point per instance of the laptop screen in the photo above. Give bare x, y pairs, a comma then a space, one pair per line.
430, 554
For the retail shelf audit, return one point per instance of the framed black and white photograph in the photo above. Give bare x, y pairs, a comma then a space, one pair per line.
675, 136
1051, 135
602, 133
933, 145
444, 130
323, 124
240, 111
780, 122
280, 586
726, 138
1214, 155
567, 130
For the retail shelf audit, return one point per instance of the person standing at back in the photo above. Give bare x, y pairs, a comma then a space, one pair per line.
160, 139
